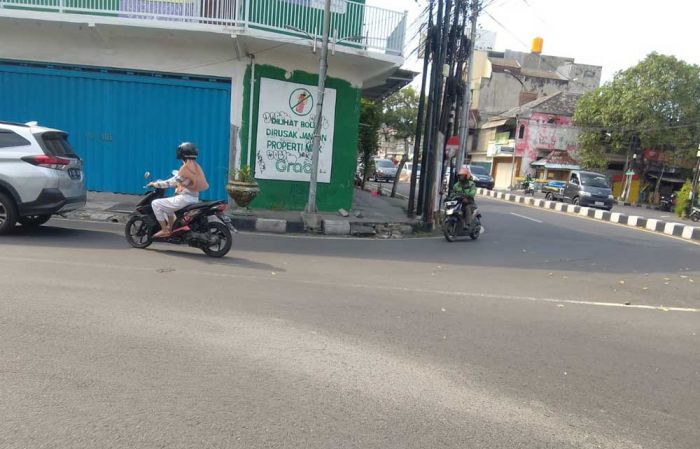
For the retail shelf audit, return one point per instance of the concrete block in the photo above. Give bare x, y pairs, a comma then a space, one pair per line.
691, 233
271, 225
311, 221
549, 204
634, 220
539, 203
521, 199
598, 214
559, 207
585, 211
654, 224
617, 217
362, 230
570, 208
336, 227
674, 229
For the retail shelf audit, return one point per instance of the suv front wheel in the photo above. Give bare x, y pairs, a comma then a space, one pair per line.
8, 214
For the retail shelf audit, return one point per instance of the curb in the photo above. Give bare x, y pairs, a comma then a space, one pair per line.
334, 227
680, 230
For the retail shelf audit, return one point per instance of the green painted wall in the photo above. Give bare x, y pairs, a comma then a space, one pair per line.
292, 195
280, 14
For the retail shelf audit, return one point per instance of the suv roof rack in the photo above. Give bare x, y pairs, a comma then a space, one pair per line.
24, 125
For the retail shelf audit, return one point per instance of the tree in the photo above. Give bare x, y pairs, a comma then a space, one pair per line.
657, 100
401, 115
368, 142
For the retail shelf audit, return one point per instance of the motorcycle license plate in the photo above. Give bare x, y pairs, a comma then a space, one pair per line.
599, 203
227, 221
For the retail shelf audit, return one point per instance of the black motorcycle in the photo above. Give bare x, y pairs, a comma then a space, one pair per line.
695, 214
192, 226
667, 203
454, 227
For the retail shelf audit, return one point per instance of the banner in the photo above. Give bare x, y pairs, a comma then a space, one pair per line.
286, 120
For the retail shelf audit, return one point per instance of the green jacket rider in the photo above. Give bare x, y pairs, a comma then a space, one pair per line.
465, 185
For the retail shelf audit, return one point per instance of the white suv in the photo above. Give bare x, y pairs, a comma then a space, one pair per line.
40, 175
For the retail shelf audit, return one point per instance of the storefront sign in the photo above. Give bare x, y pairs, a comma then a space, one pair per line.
286, 120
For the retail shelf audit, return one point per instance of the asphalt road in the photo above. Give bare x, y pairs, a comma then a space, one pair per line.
518, 340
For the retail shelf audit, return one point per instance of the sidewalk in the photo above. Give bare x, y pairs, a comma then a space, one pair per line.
370, 216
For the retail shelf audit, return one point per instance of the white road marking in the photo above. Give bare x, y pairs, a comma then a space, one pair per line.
526, 218
355, 286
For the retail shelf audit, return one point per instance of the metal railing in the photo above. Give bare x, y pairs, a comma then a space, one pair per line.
353, 24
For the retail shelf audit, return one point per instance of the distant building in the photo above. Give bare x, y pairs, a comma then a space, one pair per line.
539, 137
546, 87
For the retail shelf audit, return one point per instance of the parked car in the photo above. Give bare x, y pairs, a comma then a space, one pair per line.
384, 170
408, 171
554, 189
40, 175
587, 189
481, 176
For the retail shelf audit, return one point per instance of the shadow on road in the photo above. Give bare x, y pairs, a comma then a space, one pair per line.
65, 237
227, 261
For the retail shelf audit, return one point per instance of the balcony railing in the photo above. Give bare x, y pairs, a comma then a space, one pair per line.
353, 24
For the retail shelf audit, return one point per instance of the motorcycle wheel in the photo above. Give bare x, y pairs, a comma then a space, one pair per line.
450, 229
476, 232
137, 233
695, 217
224, 238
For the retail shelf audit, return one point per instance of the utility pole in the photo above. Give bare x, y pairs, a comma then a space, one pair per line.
311, 208
411, 212
430, 169
694, 186
467, 98
433, 31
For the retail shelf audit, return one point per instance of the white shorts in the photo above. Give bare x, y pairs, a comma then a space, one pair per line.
165, 207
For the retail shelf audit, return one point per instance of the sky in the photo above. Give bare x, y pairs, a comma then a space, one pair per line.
614, 34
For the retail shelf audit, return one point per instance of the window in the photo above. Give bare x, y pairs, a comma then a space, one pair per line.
11, 139
478, 170
594, 180
521, 132
574, 178
56, 144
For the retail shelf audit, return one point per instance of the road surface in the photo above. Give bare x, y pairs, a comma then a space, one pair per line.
518, 340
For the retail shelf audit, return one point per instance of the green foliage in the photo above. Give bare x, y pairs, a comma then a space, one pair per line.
683, 199
368, 142
401, 112
245, 174
658, 99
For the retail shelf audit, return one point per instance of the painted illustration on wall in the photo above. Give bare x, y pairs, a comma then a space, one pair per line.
286, 120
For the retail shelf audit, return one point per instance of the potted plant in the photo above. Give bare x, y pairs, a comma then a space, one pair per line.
242, 187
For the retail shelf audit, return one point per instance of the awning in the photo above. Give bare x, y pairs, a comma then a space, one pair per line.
496, 123
550, 166
668, 179
395, 82
557, 160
